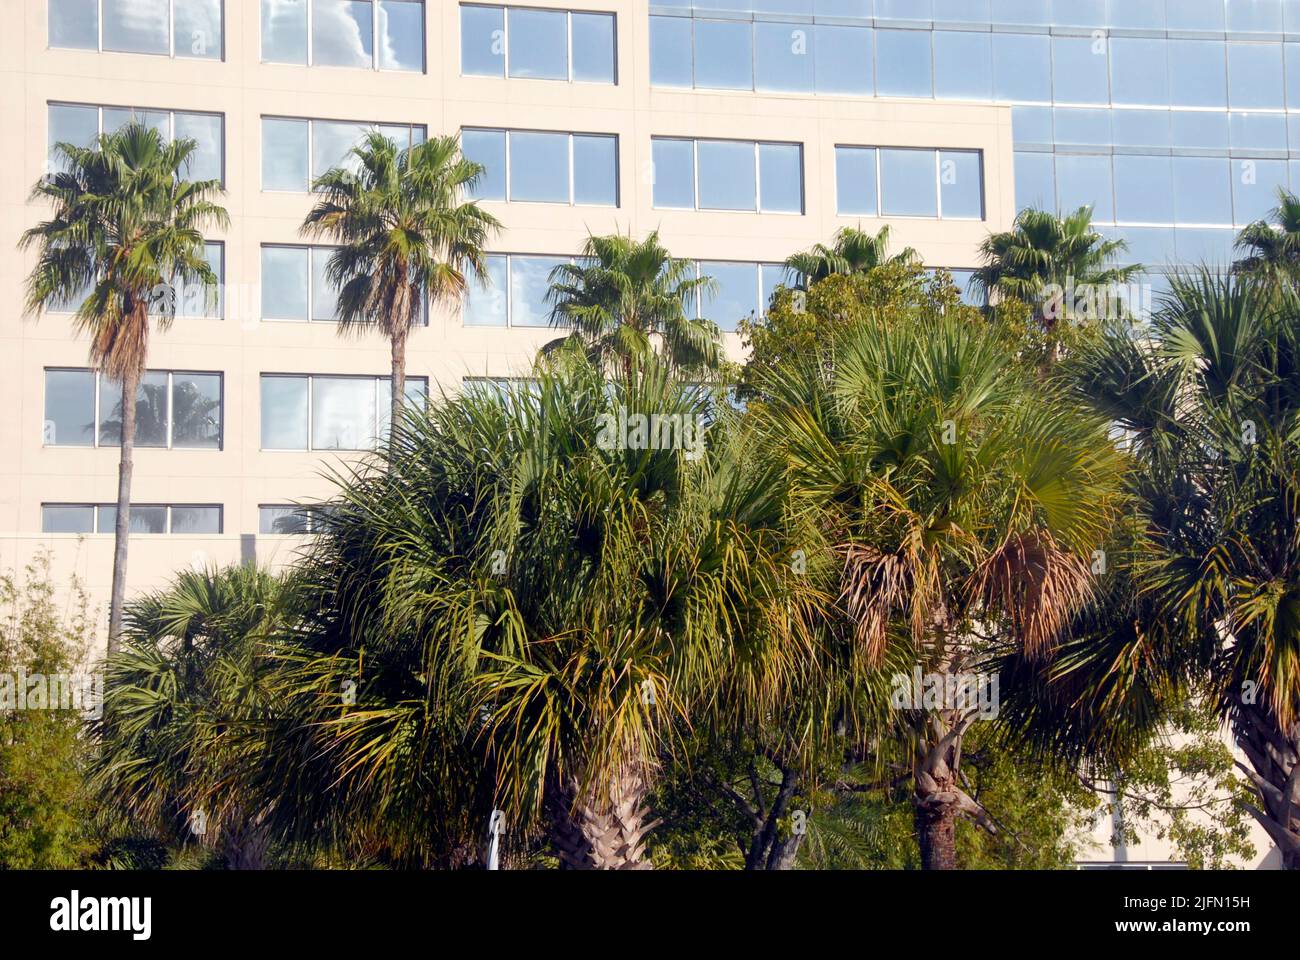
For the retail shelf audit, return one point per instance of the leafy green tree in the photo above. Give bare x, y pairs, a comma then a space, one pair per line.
187, 693
126, 225
851, 251
528, 604
962, 499
627, 299
1043, 256
404, 232
1210, 407
46, 814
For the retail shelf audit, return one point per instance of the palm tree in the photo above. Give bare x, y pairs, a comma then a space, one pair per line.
962, 501
1041, 251
126, 225
852, 251
403, 231
1211, 404
622, 294
183, 693
529, 613
1271, 247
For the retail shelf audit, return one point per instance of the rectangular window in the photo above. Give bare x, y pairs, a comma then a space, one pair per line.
909, 182
903, 63
313, 412
544, 167
174, 409
856, 176
741, 175
296, 285
179, 519
290, 519
295, 152
670, 52
176, 28
735, 294
362, 34
517, 293
79, 124
963, 65
724, 54
533, 44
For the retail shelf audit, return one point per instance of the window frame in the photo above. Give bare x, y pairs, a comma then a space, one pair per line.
756, 145
97, 382
938, 152
171, 36
312, 174
171, 112
374, 41
570, 134
375, 380
568, 47
508, 293
168, 532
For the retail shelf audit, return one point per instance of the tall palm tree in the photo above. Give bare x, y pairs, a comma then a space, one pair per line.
404, 230
962, 500
1042, 249
1211, 404
126, 225
623, 294
183, 692
529, 613
1271, 247
852, 251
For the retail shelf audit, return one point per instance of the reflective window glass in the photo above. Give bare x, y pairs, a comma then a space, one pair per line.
285, 154
342, 33
69, 408
724, 56
482, 43
735, 296
488, 149
726, 175
903, 63
539, 167
842, 59
855, 181
1142, 189
539, 43
595, 170
1085, 181
963, 65
674, 173
780, 168
485, 305
284, 412
908, 183
593, 47
961, 184
1022, 67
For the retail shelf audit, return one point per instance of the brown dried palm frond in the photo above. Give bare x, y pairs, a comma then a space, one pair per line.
1036, 585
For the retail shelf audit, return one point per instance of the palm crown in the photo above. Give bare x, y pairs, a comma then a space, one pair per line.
622, 294
403, 230
852, 251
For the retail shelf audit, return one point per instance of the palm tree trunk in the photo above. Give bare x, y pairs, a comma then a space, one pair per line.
605, 831
121, 532
399, 382
1274, 770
